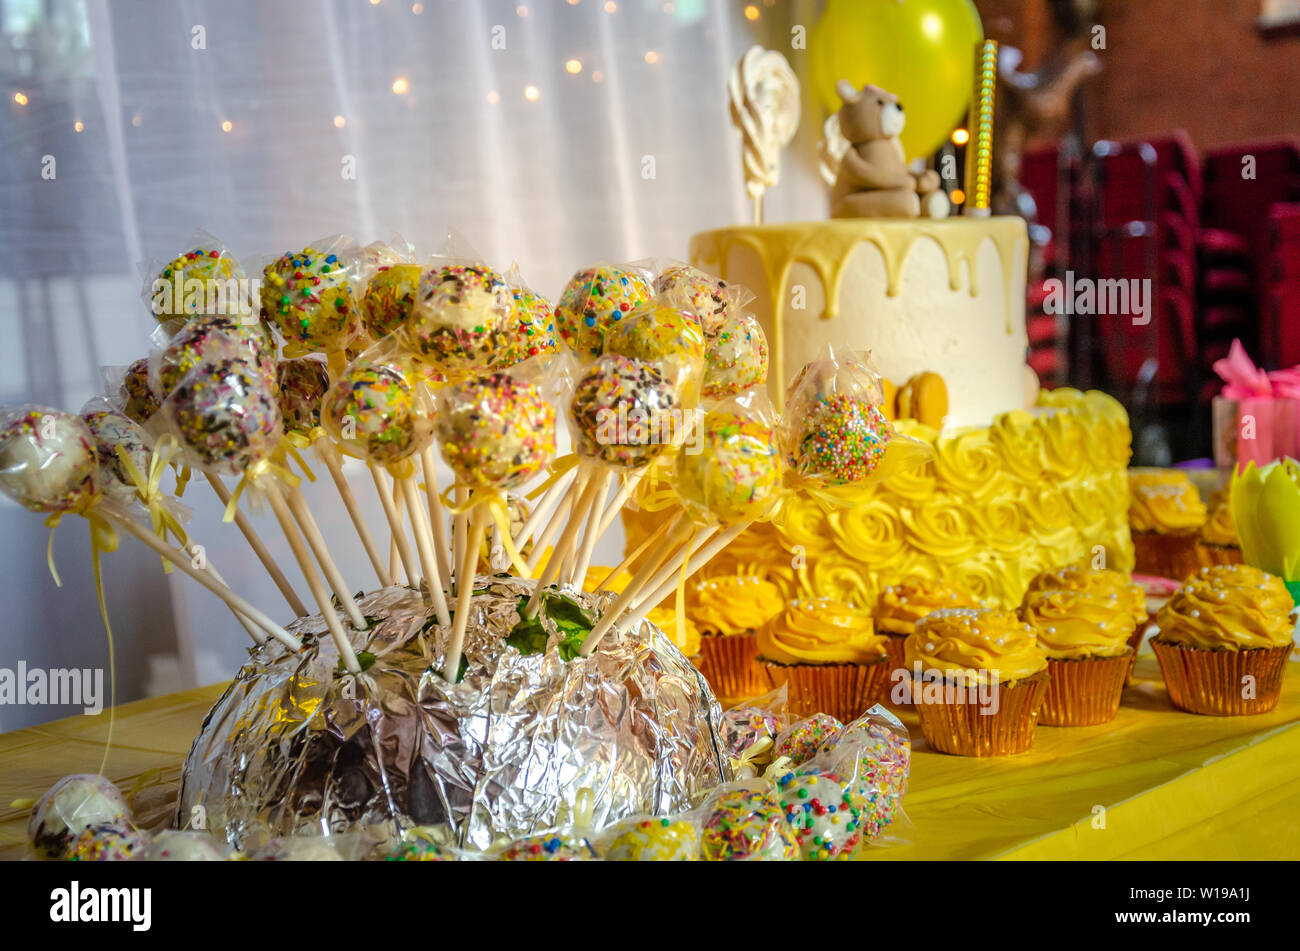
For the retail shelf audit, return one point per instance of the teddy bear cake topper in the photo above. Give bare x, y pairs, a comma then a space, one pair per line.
862, 159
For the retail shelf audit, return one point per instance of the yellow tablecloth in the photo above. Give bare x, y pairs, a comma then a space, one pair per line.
1154, 784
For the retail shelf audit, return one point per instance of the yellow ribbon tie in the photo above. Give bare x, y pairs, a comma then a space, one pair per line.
558, 468
291, 443
148, 489
494, 500
258, 470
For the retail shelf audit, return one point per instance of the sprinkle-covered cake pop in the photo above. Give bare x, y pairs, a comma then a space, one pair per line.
736, 475
800, 741
138, 399
735, 357
495, 430
175, 845
69, 807
835, 431
705, 296
671, 339
654, 840
879, 760
226, 414
747, 825
625, 412
303, 384
824, 813
297, 848
744, 726
210, 338
106, 843
110, 429
375, 412
308, 295
533, 329
594, 299
174, 295
419, 850
548, 848
388, 298
47, 460
462, 318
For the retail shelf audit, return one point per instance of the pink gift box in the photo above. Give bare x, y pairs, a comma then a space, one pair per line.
1256, 429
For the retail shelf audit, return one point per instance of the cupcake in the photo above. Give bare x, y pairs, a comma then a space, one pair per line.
1085, 637
828, 656
1218, 544
1224, 640
727, 610
978, 680
1103, 582
901, 605
1165, 517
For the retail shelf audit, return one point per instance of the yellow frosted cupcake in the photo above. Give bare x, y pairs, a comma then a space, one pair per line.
978, 679
1085, 637
829, 657
901, 605
1224, 641
727, 610
1218, 544
1165, 517
1105, 583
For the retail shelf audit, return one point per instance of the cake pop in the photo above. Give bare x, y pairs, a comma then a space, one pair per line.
495, 430
733, 473
69, 807
653, 840
388, 298
203, 281
138, 399
297, 848
824, 813
835, 431
207, 338
308, 295
174, 845
594, 299
419, 850
462, 318
226, 414
878, 759
303, 384
669, 338
549, 847
747, 825
801, 740
620, 407
110, 429
106, 843
533, 329
735, 356
375, 412
47, 460
746, 725
709, 298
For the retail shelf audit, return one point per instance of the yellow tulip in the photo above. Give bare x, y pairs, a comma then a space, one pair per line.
1265, 506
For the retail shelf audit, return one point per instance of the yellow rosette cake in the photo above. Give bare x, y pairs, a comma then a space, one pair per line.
1085, 636
978, 679
827, 655
1225, 639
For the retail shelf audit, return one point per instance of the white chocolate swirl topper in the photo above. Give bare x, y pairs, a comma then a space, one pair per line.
765, 107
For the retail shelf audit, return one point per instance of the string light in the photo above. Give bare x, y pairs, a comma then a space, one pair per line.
751, 13
227, 125
573, 66
20, 98
78, 126
375, 3
532, 93
960, 136
521, 10
651, 57
339, 122
417, 8
136, 120
400, 86
597, 76
494, 97
611, 7
958, 196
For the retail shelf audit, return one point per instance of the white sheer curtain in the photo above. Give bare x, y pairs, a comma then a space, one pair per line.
551, 132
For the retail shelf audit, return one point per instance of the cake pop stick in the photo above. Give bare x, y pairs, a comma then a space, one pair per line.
465, 575
554, 564
630, 558
592, 530
259, 548
396, 527
552, 528
549, 500
437, 516
316, 542
424, 546
330, 456
459, 529
394, 557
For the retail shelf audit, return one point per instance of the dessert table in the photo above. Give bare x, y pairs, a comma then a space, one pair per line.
1154, 784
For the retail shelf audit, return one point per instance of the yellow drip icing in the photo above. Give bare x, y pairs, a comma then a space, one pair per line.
825, 247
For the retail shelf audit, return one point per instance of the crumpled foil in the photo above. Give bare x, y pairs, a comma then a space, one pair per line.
296, 746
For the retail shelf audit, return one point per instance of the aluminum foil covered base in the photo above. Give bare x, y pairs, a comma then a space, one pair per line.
294, 745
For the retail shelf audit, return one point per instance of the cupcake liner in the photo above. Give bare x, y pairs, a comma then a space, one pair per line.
1209, 682
1086, 691
845, 691
1134, 642
729, 663
963, 729
1168, 556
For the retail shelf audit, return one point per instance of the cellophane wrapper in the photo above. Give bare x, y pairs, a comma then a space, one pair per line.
295, 746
